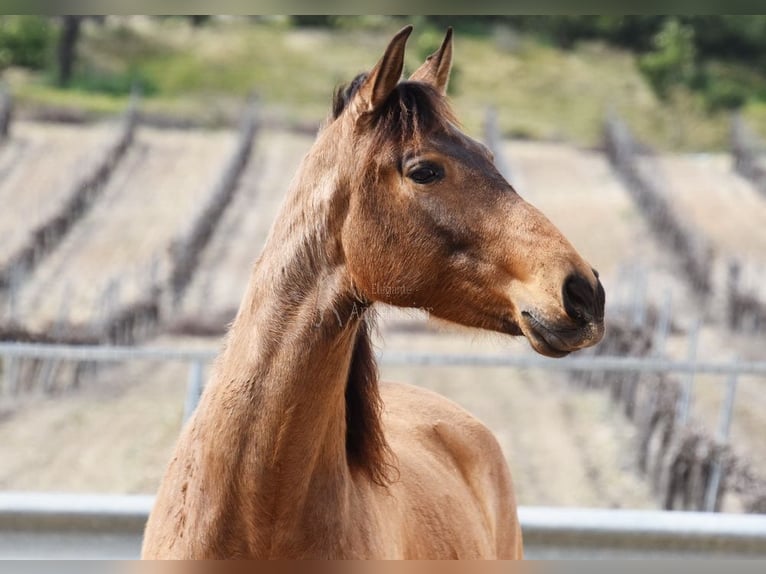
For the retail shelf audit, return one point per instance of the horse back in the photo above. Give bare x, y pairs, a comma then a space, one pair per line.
454, 492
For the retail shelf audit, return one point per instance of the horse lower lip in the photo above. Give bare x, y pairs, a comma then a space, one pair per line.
544, 347
545, 336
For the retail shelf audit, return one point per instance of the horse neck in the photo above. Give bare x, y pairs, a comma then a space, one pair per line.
278, 398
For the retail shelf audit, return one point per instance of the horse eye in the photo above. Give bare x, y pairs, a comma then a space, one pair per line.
426, 174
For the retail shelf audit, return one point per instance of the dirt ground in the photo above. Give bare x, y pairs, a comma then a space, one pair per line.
114, 436
39, 166
225, 268
724, 207
719, 202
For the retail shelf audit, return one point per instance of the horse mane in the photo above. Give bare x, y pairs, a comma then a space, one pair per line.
366, 446
344, 93
411, 111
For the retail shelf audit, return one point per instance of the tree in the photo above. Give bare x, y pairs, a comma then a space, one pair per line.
198, 20
67, 48
672, 63
670, 66
25, 41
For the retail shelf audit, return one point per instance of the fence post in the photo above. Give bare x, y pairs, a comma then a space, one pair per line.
639, 296
15, 279
724, 428
6, 111
746, 148
688, 391
663, 325
194, 387
48, 375
494, 141
11, 375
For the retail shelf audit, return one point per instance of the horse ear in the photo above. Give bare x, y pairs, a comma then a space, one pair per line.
435, 70
383, 78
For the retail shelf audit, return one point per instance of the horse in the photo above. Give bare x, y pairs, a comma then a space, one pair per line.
296, 449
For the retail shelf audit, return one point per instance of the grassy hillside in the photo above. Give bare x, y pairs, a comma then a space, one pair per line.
539, 91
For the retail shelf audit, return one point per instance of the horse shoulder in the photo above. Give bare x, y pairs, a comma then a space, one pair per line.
426, 427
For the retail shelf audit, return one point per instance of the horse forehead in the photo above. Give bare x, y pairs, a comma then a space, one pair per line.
449, 141
463, 149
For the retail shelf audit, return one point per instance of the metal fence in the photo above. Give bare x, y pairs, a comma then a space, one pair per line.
110, 527
61, 526
198, 359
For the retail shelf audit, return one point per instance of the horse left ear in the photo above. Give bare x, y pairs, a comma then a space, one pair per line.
383, 78
436, 69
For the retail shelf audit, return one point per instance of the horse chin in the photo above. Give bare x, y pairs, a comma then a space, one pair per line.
540, 345
543, 339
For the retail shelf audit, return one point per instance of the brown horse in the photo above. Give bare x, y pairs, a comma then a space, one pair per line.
296, 450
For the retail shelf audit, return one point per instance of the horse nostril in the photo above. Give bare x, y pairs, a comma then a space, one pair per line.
580, 299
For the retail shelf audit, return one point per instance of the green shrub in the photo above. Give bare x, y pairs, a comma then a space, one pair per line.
314, 21
728, 86
26, 41
727, 95
672, 62
113, 84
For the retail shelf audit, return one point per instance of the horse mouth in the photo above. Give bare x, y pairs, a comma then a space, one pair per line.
546, 340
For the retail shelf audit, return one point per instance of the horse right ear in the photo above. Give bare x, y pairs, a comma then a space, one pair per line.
383, 78
436, 69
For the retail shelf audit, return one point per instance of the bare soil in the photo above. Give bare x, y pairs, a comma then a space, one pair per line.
39, 165
226, 262
719, 202
150, 200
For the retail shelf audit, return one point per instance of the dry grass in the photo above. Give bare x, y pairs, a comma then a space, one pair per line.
114, 436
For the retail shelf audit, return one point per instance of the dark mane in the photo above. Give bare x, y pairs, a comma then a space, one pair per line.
344, 93
366, 445
411, 110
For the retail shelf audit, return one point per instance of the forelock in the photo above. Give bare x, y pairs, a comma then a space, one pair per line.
411, 111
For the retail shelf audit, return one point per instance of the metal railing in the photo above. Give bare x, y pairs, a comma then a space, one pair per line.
106, 353
199, 358
43, 525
